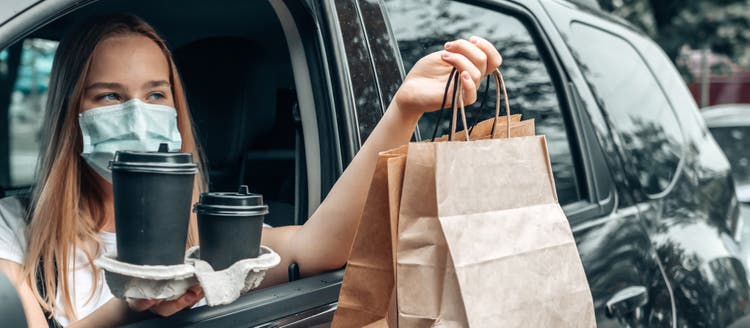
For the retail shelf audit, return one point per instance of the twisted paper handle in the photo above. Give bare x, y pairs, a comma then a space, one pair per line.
458, 104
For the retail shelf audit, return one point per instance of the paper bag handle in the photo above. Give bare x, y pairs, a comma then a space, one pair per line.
458, 102
442, 105
456, 81
500, 83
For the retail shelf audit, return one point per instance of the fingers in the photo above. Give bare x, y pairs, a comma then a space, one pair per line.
475, 54
462, 64
469, 89
494, 59
190, 298
140, 305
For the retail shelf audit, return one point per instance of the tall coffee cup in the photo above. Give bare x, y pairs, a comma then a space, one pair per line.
230, 226
152, 194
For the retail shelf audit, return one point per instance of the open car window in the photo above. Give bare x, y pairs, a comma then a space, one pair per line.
257, 91
24, 79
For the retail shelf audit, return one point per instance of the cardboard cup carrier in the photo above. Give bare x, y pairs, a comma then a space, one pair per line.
152, 194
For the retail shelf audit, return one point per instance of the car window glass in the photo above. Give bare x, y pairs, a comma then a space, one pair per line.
630, 95
421, 27
25, 72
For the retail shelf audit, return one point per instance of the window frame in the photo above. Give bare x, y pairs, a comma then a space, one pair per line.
587, 207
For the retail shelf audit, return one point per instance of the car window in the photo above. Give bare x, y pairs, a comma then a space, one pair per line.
421, 27
628, 93
25, 71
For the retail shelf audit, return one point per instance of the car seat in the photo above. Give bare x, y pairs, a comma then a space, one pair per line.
244, 120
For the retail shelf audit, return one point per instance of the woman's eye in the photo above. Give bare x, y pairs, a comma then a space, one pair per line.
109, 97
156, 96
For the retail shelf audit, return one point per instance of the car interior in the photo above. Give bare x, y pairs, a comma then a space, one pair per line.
236, 69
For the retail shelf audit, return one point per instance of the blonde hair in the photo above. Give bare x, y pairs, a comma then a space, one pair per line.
67, 208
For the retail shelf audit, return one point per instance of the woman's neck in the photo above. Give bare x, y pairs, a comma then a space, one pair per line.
108, 202
109, 215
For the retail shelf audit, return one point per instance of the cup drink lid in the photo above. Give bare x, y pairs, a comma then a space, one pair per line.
241, 203
161, 161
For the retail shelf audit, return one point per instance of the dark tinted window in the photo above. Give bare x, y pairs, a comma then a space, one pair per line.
638, 109
423, 26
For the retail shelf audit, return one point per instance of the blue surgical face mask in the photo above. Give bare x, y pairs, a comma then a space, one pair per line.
132, 125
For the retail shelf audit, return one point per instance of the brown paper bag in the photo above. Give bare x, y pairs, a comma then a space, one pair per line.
368, 291
513, 252
483, 241
434, 221
427, 287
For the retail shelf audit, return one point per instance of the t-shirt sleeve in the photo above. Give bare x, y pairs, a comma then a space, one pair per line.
12, 230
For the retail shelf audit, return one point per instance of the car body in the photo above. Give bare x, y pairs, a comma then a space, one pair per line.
647, 191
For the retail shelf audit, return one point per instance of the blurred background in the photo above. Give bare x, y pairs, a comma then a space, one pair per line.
708, 40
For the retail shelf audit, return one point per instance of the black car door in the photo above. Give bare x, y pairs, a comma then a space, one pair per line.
679, 177
620, 263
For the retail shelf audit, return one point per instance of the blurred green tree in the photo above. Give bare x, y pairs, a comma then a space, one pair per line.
720, 25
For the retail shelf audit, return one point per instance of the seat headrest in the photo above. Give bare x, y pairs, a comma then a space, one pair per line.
230, 103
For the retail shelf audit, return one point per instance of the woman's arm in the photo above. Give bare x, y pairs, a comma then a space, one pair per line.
323, 243
31, 308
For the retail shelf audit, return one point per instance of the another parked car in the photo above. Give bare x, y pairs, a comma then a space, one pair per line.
284, 92
730, 126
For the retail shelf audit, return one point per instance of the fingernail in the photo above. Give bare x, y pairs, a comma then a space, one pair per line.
446, 55
466, 76
474, 39
448, 45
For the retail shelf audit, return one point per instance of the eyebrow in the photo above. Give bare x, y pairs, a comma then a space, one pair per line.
118, 86
156, 83
104, 85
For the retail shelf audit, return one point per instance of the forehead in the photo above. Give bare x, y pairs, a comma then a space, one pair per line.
127, 59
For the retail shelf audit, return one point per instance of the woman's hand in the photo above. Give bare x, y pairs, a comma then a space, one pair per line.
168, 308
117, 312
423, 87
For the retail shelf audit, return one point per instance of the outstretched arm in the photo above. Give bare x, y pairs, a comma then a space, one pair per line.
324, 241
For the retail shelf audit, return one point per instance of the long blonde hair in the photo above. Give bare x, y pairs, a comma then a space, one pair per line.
67, 209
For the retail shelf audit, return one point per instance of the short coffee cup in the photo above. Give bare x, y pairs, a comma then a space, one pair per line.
230, 226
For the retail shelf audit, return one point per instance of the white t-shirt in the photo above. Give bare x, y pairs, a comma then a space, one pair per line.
80, 277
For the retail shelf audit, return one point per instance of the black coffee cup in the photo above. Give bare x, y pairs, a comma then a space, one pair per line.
230, 226
153, 192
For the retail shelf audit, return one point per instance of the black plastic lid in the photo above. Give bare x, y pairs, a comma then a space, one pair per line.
161, 161
238, 203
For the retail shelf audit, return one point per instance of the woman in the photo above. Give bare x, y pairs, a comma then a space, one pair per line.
118, 68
